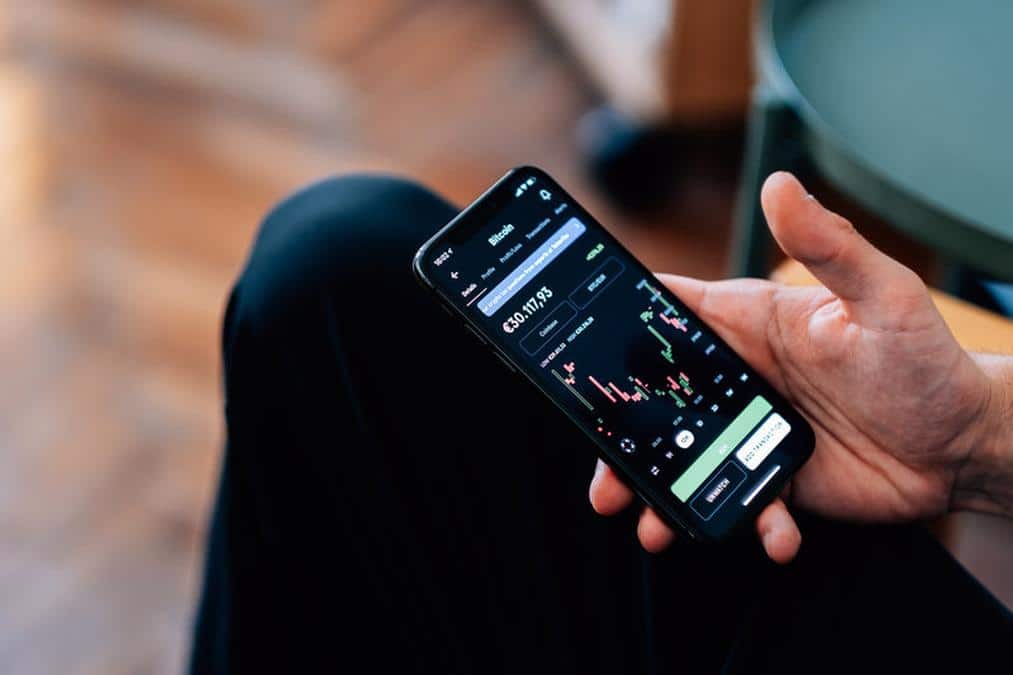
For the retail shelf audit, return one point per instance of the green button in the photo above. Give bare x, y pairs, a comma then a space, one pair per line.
719, 450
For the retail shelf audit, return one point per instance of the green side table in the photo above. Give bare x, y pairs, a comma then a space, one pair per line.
905, 105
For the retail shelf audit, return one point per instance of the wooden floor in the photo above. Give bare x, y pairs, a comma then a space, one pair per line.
140, 142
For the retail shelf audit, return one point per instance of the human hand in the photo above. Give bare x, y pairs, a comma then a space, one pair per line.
898, 407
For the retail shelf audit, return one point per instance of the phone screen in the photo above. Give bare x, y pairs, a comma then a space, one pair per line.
683, 418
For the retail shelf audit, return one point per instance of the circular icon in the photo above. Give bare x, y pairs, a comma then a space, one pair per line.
684, 438
627, 445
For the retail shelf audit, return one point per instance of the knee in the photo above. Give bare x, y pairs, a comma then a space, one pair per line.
342, 233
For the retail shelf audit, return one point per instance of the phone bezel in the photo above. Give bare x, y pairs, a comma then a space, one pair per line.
676, 514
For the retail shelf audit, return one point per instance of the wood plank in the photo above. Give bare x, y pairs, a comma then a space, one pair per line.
337, 31
141, 47
619, 45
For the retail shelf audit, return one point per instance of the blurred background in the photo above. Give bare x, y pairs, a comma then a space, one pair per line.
141, 141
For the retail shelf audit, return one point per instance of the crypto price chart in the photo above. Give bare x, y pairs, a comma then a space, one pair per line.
619, 353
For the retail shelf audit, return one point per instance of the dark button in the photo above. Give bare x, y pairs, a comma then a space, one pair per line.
608, 272
552, 324
717, 490
505, 362
475, 333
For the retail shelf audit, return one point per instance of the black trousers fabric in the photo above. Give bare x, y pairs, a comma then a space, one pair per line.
393, 499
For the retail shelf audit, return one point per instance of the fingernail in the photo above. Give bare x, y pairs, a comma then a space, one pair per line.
599, 466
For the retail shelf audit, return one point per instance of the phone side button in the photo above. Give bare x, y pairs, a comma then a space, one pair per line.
685, 528
505, 362
475, 333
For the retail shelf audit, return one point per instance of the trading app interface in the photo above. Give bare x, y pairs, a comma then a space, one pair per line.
617, 352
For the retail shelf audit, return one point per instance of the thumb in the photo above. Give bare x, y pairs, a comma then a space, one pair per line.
829, 246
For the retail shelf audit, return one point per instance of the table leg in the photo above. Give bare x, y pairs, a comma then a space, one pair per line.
770, 146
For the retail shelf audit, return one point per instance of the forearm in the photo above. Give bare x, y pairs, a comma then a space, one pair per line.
985, 481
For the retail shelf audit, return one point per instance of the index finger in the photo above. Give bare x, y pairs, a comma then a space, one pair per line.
739, 310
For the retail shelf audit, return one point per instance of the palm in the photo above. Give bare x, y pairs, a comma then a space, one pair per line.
884, 444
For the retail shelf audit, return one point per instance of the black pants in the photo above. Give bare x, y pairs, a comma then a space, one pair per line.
391, 496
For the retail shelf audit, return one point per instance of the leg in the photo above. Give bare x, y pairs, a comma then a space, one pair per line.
858, 599
366, 484
872, 599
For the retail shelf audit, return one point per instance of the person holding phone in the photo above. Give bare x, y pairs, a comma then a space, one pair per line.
391, 493
690, 426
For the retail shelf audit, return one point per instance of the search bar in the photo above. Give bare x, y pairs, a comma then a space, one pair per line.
531, 266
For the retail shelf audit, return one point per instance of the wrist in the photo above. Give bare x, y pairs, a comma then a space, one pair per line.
984, 480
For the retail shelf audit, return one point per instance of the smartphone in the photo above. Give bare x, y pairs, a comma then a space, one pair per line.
682, 419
